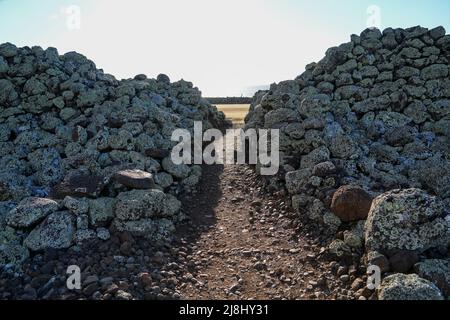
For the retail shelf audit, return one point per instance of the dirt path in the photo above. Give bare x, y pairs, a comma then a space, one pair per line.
240, 242
244, 243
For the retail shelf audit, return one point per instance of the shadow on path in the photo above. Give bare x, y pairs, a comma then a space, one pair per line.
201, 206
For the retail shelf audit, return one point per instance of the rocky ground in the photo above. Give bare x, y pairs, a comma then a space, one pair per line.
240, 241
248, 244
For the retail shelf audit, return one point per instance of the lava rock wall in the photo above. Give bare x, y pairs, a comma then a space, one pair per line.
82, 153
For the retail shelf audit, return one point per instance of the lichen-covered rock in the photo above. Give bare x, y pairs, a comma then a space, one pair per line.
30, 211
4, 67
82, 222
434, 173
408, 287
339, 250
436, 271
298, 181
194, 178
101, 211
76, 206
435, 71
140, 204
279, 116
354, 238
13, 186
331, 221
9, 235
159, 231
351, 203
57, 231
7, 92
103, 234
178, 171
406, 220
47, 165
85, 235
164, 179
12, 255
8, 50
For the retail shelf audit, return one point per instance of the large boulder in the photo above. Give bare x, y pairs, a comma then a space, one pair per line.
101, 211
406, 220
408, 287
139, 204
436, 271
30, 211
351, 203
55, 232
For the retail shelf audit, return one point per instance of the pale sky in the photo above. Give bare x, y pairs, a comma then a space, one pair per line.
226, 47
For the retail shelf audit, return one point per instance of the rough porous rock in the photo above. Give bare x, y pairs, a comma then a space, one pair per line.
13, 255
78, 186
76, 206
135, 179
374, 113
351, 203
408, 287
30, 211
407, 219
55, 232
137, 204
101, 211
436, 271
74, 138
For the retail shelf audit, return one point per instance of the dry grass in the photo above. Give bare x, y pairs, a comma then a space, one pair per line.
235, 112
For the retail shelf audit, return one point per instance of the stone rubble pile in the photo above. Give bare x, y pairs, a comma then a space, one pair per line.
369, 121
82, 153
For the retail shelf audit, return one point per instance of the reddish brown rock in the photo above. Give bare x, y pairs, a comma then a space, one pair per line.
145, 279
351, 203
135, 179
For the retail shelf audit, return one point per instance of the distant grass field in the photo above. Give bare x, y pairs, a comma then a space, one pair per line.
235, 112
